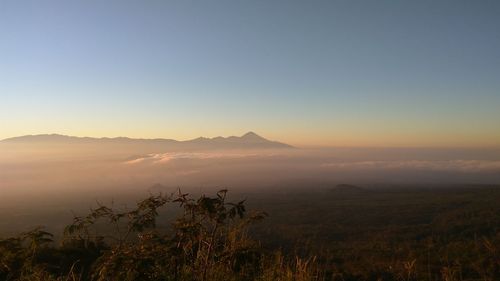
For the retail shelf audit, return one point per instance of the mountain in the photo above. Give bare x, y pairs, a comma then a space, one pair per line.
249, 140
63, 139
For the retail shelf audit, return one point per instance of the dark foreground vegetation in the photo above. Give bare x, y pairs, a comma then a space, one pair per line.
347, 233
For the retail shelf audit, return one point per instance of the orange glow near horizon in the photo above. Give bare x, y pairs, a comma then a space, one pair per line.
294, 138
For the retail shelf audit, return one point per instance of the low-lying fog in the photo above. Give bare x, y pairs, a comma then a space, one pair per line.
60, 178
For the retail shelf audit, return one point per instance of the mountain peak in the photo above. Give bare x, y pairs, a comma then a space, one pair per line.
252, 135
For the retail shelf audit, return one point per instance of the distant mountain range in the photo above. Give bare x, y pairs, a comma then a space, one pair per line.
249, 140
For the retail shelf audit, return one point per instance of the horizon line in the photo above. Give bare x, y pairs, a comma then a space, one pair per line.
310, 146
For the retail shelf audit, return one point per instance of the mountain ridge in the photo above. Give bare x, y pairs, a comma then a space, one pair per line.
250, 140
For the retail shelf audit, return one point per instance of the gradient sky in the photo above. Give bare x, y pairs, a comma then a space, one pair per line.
360, 73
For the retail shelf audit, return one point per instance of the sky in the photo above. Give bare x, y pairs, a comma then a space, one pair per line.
311, 73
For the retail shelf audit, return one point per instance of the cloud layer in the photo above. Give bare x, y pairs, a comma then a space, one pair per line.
462, 166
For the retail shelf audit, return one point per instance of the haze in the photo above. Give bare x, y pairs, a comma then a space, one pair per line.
343, 118
50, 175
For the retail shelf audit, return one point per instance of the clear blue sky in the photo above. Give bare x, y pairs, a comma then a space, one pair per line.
390, 73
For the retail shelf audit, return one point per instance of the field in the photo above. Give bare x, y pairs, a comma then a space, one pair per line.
380, 229
341, 232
